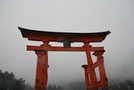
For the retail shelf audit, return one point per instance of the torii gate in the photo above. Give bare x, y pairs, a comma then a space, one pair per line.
68, 38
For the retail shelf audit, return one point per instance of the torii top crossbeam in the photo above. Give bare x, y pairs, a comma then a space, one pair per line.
36, 35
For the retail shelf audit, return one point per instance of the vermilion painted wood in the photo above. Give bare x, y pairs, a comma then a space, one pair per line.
100, 60
86, 38
50, 48
87, 80
59, 36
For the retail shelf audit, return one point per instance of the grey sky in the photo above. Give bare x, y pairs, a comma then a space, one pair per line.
67, 16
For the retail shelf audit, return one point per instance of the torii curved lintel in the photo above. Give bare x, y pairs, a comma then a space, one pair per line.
37, 35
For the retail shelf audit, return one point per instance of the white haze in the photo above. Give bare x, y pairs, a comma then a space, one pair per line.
67, 16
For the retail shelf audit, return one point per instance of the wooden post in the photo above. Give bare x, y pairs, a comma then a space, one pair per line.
39, 81
87, 81
103, 78
92, 73
42, 68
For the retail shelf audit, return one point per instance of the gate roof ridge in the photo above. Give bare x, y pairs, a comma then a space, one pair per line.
59, 36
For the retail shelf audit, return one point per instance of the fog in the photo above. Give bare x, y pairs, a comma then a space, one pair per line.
67, 16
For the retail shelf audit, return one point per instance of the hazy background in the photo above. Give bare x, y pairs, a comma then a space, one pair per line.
67, 16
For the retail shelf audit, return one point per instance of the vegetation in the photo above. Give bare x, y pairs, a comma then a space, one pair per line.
77, 86
9, 82
54, 87
127, 85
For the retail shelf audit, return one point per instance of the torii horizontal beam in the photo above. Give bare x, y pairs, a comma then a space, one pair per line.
50, 48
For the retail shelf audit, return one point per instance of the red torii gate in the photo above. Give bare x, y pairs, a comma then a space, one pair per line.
67, 39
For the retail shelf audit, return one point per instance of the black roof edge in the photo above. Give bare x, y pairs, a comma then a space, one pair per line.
38, 31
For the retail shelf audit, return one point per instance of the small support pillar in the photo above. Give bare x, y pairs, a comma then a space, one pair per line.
86, 77
103, 78
92, 73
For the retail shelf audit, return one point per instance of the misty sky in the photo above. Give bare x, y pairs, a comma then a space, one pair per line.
67, 16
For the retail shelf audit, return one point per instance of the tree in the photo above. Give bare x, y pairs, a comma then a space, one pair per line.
114, 87
19, 84
29, 87
77, 86
127, 85
8, 82
123, 86
54, 87
130, 84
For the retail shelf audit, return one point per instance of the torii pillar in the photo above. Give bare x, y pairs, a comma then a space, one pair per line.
100, 63
42, 68
92, 83
65, 38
